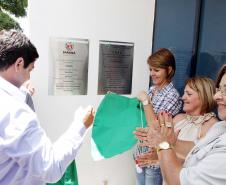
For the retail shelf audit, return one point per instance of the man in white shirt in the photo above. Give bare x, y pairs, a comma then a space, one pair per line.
27, 156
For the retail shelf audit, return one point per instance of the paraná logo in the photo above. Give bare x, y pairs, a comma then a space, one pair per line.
69, 46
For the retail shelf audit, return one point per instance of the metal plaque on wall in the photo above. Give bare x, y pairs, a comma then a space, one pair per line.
115, 67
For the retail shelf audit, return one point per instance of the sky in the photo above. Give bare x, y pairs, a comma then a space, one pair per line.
24, 24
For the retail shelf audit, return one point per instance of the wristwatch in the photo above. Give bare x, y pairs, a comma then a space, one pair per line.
145, 102
163, 146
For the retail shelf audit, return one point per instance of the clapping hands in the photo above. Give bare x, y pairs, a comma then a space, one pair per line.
160, 130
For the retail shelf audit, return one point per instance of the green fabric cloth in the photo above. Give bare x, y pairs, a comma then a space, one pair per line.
69, 177
115, 120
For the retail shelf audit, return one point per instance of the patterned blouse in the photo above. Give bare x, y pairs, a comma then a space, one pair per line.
166, 99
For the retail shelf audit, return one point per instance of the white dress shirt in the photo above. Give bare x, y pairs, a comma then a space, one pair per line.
206, 162
27, 156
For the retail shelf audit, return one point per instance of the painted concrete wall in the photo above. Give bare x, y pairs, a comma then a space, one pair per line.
115, 20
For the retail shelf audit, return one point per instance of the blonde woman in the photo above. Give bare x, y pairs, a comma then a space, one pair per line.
196, 120
206, 162
198, 117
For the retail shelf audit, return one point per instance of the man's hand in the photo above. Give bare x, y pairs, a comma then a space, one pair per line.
88, 118
85, 116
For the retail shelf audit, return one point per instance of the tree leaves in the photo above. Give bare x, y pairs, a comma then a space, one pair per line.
6, 22
15, 7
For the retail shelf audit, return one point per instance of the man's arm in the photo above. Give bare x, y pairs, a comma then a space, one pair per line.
32, 150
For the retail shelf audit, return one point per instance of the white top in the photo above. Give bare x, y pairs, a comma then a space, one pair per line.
190, 126
188, 132
206, 163
27, 156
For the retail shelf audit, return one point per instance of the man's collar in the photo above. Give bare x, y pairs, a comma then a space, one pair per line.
11, 90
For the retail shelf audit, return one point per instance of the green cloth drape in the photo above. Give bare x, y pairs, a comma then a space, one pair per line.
69, 177
116, 118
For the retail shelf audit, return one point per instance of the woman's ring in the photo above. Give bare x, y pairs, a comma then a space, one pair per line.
168, 124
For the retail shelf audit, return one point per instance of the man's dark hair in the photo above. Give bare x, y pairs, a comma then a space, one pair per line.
14, 44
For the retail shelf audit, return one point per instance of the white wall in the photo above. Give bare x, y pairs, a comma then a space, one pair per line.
115, 20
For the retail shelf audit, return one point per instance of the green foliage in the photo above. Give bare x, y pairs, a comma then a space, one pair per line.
15, 7
6, 22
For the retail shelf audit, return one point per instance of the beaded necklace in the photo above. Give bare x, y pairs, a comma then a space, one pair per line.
199, 120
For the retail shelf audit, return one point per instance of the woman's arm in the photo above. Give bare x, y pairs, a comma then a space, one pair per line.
153, 137
170, 166
182, 148
148, 109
